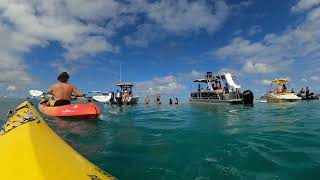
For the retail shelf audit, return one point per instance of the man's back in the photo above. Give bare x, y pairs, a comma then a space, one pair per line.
63, 91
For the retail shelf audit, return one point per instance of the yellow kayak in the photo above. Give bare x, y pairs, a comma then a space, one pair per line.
30, 149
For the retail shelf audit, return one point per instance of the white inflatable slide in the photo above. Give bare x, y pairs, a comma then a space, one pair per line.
230, 81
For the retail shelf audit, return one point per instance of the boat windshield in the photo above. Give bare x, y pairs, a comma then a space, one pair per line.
279, 86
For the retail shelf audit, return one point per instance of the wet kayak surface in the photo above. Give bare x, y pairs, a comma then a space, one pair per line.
266, 141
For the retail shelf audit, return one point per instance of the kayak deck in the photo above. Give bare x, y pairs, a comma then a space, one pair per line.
31, 150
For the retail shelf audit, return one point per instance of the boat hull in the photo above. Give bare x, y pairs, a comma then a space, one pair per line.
30, 149
134, 100
118, 101
216, 101
282, 98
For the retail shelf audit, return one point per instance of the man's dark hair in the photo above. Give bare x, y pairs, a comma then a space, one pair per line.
63, 77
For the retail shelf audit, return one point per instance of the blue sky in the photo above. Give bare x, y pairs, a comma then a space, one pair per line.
162, 44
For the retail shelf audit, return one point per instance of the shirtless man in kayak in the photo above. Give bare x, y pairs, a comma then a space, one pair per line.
62, 91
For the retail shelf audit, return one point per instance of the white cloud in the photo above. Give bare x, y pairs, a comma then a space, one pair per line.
11, 88
93, 9
265, 82
303, 80
258, 68
246, 3
304, 5
254, 30
285, 52
183, 15
75, 24
239, 48
88, 46
13, 71
190, 76
315, 78
145, 34
175, 18
229, 70
162, 85
237, 32
28, 24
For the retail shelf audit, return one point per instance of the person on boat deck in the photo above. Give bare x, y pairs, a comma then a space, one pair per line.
284, 89
292, 90
62, 91
214, 85
218, 85
307, 91
279, 88
226, 88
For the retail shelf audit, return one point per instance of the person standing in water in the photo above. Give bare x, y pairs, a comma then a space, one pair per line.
158, 99
147, 100
62, 91
177, 101
125, 97
170, 101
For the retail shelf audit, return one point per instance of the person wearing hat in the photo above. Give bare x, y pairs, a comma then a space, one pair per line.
62, 91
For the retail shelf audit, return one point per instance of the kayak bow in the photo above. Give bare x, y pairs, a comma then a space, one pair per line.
31, 150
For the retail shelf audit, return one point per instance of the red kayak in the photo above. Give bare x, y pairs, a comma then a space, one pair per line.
87, 111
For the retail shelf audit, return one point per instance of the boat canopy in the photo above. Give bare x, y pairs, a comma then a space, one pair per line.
280, 81
209, 77
221, 76
203, 80
125, 84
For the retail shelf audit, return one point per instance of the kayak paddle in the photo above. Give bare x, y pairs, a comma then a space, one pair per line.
102, 98
35, 93
94, 92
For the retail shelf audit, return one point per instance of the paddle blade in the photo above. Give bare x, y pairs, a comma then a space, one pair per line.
102, 98
35, 93
94, 92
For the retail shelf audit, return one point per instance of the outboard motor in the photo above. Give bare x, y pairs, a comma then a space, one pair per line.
118, 97
111, 94
247, 97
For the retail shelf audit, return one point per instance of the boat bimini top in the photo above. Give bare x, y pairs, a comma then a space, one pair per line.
280, 81
125, 84
228, 77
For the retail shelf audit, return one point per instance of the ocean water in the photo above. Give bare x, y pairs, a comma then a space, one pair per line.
198, 142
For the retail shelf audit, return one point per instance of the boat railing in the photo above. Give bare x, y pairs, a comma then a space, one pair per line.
206, 94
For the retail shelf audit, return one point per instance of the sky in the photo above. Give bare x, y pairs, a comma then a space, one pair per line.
161, 45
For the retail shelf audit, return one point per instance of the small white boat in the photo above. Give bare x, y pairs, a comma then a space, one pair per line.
278, 92
124, 95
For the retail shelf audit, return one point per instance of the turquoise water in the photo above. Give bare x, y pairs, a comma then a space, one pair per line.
266, 141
